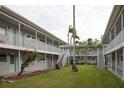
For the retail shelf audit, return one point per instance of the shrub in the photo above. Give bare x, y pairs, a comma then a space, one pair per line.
1, 77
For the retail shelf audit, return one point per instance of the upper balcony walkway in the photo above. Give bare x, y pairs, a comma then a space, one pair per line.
116, 43
25, 43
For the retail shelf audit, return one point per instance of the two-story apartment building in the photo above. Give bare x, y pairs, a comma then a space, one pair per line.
113, 39
82, 54
17, 34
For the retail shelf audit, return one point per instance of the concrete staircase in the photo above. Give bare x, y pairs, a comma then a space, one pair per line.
63, 58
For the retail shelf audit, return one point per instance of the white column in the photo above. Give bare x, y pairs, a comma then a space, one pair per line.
46, 61
121, 21
114, 31
116, 60
18, 46
52, 45
60, 50
45, 42
36, 44
111, 61
52, 62
110, 36
36, 40
123, 66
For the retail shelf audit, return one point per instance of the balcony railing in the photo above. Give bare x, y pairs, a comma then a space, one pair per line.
12, 39
115, 42
94, 53
41, 45
47, 47
31, 43
3, 39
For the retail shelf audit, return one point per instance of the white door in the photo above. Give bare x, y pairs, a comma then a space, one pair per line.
12, 64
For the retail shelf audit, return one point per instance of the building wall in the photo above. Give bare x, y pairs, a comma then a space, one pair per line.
114, 40
17, 36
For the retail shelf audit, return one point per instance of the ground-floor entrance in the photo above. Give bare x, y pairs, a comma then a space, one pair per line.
114, 62
12, 59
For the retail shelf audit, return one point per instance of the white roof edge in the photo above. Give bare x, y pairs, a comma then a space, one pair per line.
30, 22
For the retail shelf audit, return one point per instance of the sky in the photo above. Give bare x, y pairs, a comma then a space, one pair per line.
91, 20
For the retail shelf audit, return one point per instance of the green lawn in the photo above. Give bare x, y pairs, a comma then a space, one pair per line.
88, 76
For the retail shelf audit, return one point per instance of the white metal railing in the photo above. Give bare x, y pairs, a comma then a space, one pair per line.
3, 39
47, 47
41, 45
30, 43
12, 39
116, 41
87, 53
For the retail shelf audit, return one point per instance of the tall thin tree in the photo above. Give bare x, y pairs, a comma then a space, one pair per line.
74, 68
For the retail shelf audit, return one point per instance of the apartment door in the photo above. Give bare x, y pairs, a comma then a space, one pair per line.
12, 63
49, 61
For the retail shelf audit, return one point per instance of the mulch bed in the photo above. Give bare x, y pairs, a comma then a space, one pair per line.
13, 78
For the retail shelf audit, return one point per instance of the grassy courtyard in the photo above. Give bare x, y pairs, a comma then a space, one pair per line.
88, 76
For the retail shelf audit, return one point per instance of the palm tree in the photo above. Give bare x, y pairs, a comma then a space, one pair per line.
74, 68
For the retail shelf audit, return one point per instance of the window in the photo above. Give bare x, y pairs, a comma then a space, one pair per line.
30, 36
41, 57
118, 26
3, 58
107, 39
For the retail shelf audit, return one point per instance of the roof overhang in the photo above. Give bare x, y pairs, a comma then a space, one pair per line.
112, 19
26, 21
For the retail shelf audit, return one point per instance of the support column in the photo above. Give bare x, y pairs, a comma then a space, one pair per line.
52, 61
19, 66
116, 62
111, 61
60, 50
123, 66
110, 36
52, 45
45, 42
46, 61
36, 40
36, 44
108, 58
122, 21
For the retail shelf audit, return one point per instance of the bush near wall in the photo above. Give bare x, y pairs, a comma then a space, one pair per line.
1, 77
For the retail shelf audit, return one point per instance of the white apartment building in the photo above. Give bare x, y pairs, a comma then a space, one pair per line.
18, 34
114, 42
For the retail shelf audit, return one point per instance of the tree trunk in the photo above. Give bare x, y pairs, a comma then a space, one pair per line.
74, 68
57, 66
23, 66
